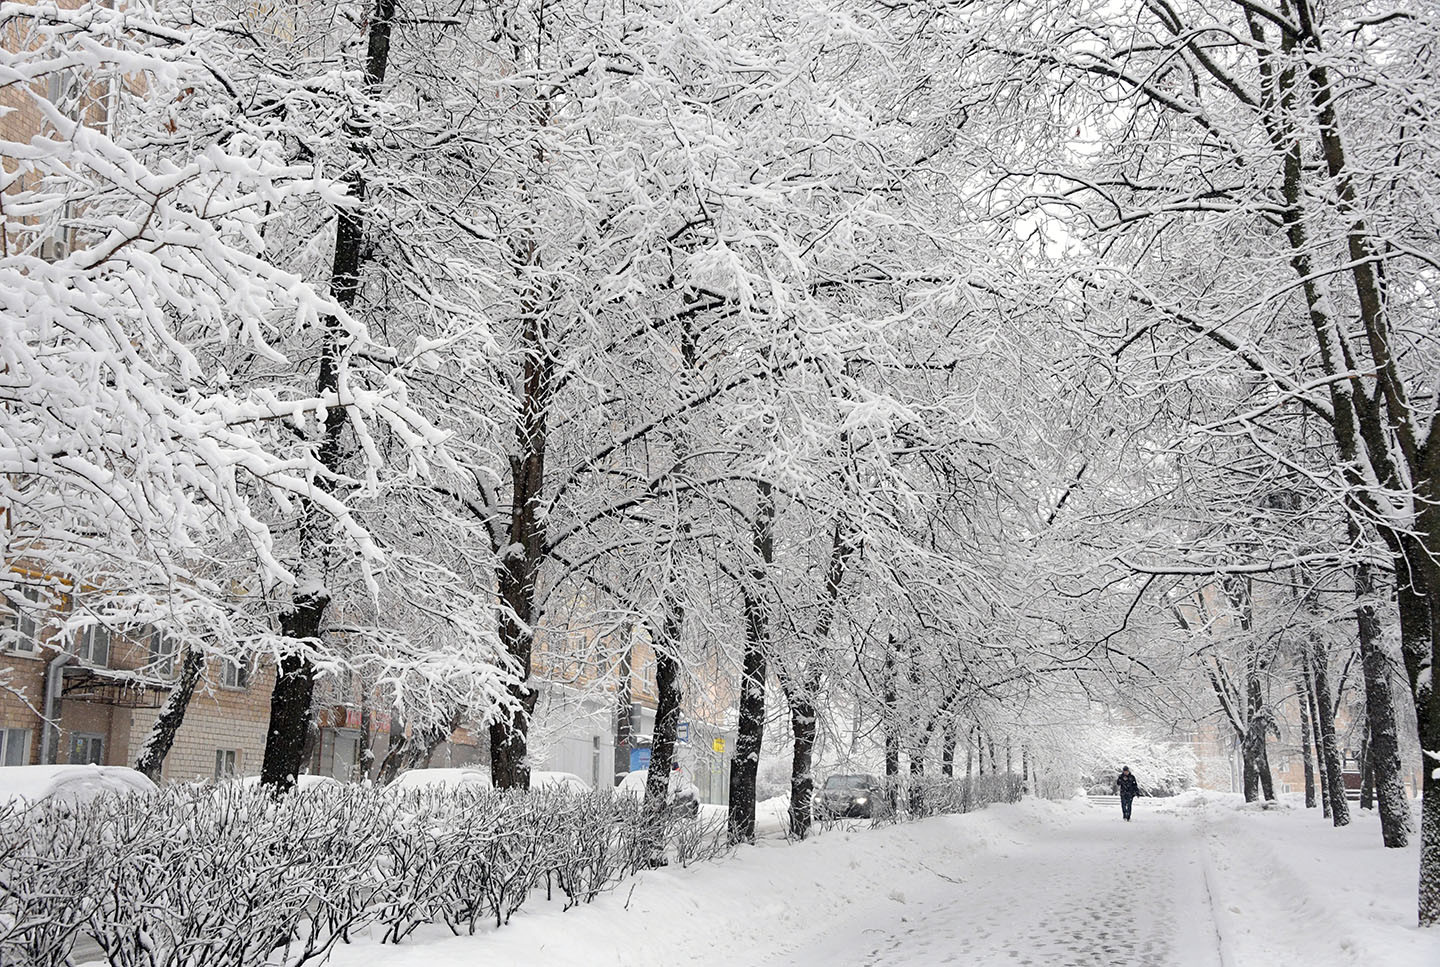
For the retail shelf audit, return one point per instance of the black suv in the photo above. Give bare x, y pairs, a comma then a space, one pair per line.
855, 795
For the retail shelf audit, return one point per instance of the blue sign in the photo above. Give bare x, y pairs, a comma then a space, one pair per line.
683, 732
639, 759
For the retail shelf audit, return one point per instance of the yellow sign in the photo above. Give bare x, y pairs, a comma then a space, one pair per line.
718, 743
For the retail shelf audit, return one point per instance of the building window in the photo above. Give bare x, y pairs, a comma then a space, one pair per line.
225, 762
162, 654
93, 647
234, 674
14, 747
595, 762
24, 622
86, 748
345, 754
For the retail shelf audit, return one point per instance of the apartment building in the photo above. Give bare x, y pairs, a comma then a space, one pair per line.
93, 695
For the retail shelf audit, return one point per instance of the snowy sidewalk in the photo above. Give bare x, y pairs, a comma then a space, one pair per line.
1193, 882
1096, 891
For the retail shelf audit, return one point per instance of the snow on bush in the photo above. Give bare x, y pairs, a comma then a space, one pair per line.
203, 875
932, 795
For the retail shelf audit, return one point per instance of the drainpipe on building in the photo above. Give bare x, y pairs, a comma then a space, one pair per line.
50, 729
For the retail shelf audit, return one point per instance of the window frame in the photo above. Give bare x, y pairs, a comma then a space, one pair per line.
161, 662
8, 741
89, 737
234, 675
25, 623
88, 638
227, 763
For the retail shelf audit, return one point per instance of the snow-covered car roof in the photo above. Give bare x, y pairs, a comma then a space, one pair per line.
634, 783
448, 778
73, 784
567, 781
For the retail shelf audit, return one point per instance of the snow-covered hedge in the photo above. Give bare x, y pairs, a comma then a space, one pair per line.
204, 876
915, 797
932, 795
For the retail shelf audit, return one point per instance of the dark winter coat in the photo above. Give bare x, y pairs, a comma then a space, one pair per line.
1127, 785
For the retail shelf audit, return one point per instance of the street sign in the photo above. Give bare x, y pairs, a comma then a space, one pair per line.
683, 732
718, 743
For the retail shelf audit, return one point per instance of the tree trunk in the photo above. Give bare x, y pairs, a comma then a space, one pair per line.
420, 750
1367, 774
892, 769
394, 750
1420, 645
623, 699
1306, 740
291, 698
667, 709
970, 753
750, 730
1320, 772
750, 736
890, 702
1427, 712
151, 758
947, 751
295, 682
1258, 727
1267, 778
803, 726
365, 760
1414, 609
803, 692
917, 784
1330, 749
1383, 745
1251, 775
518, 571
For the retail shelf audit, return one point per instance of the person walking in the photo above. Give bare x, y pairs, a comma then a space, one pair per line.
1128, 788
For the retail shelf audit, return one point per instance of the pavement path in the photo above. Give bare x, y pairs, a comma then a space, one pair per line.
1098, 891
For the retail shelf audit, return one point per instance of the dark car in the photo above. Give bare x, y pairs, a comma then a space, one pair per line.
855, 795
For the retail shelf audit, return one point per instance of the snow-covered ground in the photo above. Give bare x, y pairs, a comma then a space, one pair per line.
1197, 880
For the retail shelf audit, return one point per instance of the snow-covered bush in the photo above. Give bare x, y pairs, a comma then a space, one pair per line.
47, 879
203, 875
596, 846
932, 795
701, 840
421, 859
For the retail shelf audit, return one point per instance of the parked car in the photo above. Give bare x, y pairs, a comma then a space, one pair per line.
564, 781
452, 779
684, 796
851, 794
74, 785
